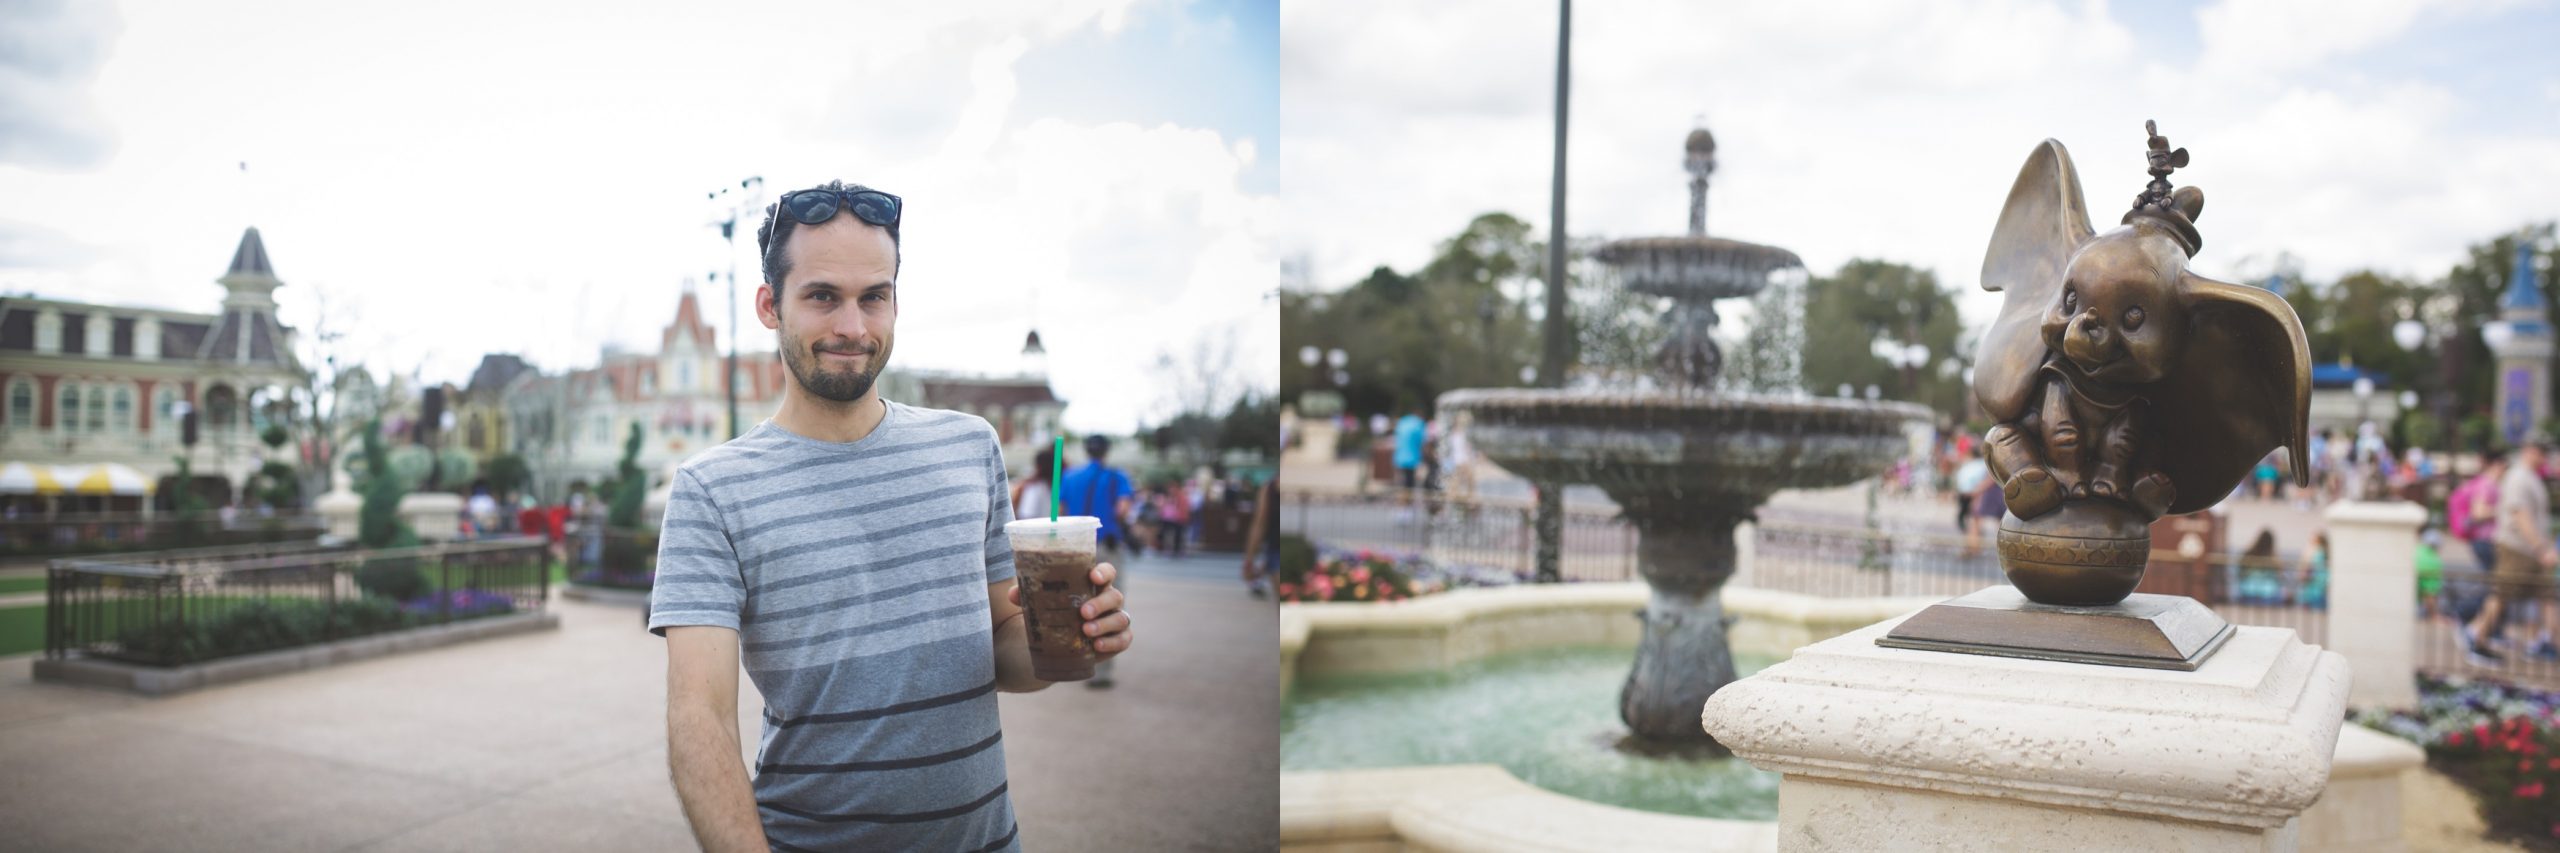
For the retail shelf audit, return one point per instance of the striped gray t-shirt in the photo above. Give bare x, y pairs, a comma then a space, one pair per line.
856, 575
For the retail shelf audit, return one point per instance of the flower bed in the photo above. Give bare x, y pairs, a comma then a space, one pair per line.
1309, 573
2499, 740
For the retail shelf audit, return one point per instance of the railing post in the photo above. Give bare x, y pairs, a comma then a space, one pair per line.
329, 623
180, 580
53, 612
444, 586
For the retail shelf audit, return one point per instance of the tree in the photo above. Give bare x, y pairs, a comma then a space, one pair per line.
1847, 313
1253, 425
508, 473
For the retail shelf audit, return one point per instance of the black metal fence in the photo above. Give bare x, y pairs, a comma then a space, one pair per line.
1835, 561
173, 608
68, 534
1483, 534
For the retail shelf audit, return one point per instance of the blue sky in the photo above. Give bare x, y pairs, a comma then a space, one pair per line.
1212, 63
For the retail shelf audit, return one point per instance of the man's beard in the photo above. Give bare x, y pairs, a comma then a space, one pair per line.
843, 385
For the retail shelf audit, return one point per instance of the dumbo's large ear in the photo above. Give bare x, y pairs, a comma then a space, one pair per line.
2043, 223
2241, 388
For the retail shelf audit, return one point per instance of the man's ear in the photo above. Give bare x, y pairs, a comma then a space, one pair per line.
767, 309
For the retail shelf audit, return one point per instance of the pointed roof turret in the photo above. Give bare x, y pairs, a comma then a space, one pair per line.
251, 257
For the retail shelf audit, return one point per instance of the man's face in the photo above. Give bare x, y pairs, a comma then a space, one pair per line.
837, 313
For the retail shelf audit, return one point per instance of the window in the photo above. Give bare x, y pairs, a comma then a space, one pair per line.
164, 409
684, 375
604, 432
648, 382
66, 409
22, 404
96, 397
123, 411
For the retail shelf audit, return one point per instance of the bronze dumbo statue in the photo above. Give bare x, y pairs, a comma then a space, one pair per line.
2123, 385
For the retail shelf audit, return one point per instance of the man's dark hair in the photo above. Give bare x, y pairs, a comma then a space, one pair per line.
774, 236
1097, 447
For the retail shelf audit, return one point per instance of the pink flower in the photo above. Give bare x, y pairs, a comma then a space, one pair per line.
1288, 590
1360, 574
2529, 790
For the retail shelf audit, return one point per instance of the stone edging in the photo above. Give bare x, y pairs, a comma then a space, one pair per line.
161, 681
1453, 628
612, 595
1483, 807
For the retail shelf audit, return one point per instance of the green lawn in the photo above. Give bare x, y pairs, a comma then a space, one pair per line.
22, 628
13, 586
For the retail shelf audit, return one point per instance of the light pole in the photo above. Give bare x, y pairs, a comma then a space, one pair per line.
748, 195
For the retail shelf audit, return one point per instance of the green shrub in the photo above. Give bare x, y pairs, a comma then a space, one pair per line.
260, 626
394, 578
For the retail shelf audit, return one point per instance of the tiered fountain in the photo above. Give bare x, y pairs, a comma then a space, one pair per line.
1687, 463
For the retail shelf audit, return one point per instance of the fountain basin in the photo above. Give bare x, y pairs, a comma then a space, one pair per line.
1695, 267
1726, 450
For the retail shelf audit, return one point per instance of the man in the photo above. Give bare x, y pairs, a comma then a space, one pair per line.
1100, 491
2525, 550
1411, 432
850, 553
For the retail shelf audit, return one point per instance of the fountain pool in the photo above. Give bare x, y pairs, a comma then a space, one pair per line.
1548, 716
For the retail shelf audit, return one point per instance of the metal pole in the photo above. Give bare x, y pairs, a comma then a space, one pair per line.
1551, 362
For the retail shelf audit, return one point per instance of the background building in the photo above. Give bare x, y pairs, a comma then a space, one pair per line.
86, 385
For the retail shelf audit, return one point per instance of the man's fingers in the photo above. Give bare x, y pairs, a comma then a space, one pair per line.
1116, 623
1103, 573
1109, 600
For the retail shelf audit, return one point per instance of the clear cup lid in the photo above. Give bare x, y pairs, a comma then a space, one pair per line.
1064, 525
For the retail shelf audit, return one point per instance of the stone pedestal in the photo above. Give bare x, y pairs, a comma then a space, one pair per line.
1900, 749
2373, 585
434, 516
341, 509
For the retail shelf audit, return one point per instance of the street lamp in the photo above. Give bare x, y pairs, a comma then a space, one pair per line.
748, 194
2364, 396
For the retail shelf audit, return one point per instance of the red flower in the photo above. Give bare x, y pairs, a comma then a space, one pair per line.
2453, 739
2481, 731
2529, 790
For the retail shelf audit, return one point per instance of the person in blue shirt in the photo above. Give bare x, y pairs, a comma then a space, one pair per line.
1411, 433
1101, 491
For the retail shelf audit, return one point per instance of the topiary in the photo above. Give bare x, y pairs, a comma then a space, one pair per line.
378, 522
631, 487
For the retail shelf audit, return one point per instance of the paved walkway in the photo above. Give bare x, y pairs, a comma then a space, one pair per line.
556, 741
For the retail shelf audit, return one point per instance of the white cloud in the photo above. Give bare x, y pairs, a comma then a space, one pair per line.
491, 176
1877, 130
2277, 36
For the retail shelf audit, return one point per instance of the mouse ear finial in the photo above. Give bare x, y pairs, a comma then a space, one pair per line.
2171, 207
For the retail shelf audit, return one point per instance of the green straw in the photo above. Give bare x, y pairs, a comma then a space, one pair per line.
1057, 461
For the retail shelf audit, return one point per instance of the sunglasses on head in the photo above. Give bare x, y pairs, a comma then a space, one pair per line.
810, 207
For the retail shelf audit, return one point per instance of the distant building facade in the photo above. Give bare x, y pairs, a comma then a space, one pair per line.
571, 427
83, 383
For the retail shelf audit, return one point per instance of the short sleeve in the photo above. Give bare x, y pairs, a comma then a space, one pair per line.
999, 513
699, 581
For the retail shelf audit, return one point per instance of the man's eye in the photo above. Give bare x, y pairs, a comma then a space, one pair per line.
823, 296
875, 297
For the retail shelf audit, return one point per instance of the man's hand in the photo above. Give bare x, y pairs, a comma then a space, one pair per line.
1105, 621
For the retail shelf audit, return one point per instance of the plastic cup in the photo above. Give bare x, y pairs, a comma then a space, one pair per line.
1053, 564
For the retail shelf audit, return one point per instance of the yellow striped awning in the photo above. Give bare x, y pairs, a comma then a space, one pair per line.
104, 478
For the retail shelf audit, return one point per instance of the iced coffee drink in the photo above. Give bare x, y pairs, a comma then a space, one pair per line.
1053, 563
